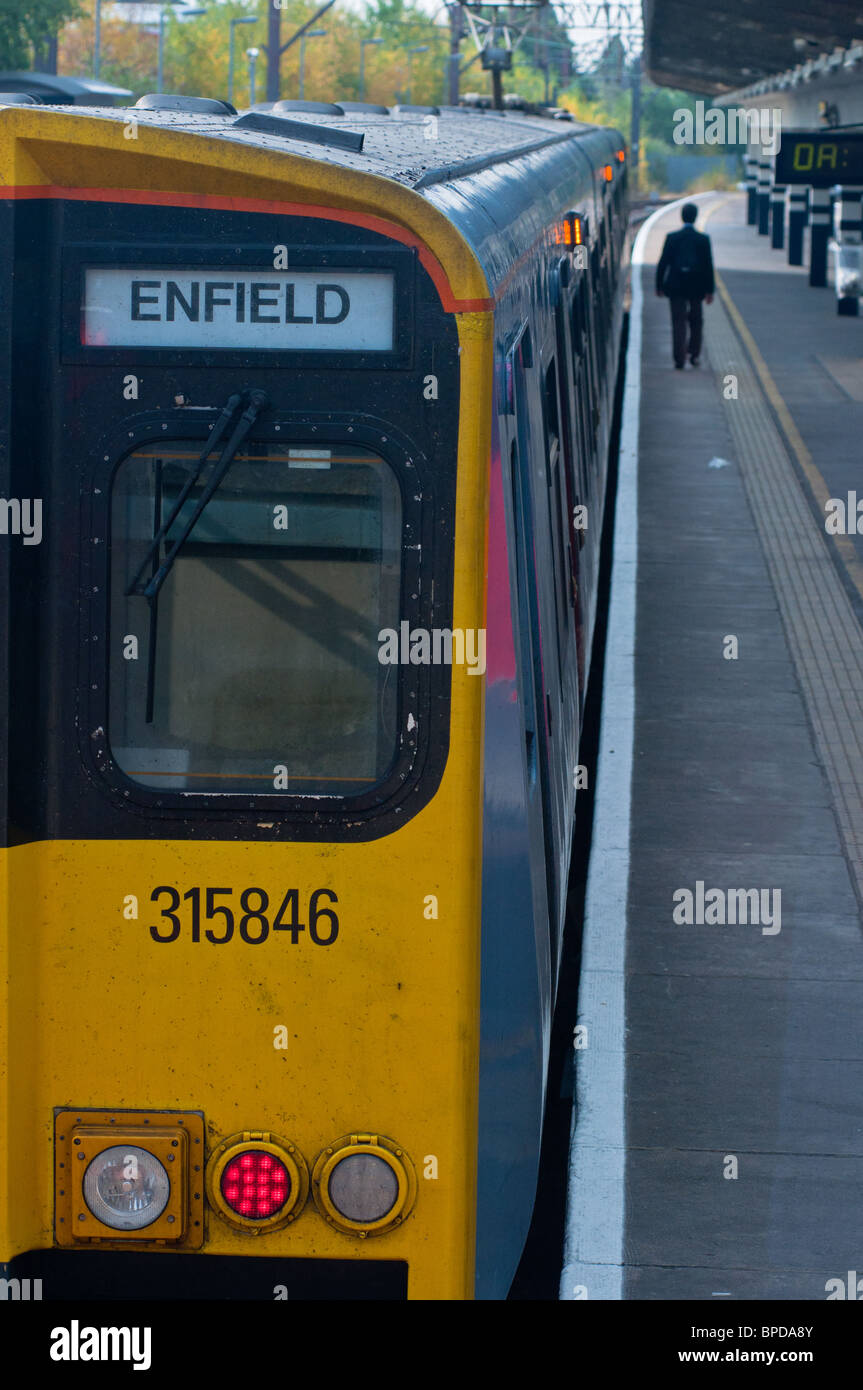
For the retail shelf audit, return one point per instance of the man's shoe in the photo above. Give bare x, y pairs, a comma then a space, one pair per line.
694, 361
680, 366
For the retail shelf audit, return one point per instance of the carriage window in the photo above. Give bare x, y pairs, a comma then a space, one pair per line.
555, 495
552, 427
254, 667
577, 319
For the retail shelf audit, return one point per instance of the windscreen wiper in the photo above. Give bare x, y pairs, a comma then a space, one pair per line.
232, 405
149, 588
153, 605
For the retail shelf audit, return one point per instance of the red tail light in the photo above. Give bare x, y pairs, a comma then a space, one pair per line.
255, 1184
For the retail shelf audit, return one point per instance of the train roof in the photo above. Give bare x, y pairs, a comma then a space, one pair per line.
498, 178
49, 88
414, 149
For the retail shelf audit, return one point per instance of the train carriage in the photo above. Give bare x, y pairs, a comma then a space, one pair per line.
303, 448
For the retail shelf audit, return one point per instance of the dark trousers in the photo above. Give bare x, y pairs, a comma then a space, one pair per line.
685, 313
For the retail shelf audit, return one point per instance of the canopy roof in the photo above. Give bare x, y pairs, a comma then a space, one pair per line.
726, 44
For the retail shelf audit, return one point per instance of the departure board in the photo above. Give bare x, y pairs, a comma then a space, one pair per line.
820, 158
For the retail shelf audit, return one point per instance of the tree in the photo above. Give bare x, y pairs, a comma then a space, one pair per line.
27, 27
196, 51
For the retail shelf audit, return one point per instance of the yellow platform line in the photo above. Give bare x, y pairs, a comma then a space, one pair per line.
812, 473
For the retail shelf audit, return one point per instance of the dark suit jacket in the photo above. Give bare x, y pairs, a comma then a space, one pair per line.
685, 267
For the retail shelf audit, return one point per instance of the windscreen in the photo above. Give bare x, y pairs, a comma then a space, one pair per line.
255, 669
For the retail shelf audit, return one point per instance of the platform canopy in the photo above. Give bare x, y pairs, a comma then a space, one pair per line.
727, 44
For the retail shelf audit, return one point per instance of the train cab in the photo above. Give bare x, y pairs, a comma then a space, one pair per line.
316, 412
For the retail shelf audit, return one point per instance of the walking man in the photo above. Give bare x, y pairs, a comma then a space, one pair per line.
685, 276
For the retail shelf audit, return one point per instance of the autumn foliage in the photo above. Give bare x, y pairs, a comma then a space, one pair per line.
196, 51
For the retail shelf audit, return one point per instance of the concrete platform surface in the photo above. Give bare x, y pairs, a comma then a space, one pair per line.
737, 1162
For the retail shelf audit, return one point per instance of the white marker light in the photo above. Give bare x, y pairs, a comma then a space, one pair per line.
363, 1188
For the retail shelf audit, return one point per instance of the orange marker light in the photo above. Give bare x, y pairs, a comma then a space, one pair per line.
568, 232
609, 173
621, 156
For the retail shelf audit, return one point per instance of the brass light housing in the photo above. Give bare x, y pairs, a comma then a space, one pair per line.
174, 1139
386, 1176
258, 1141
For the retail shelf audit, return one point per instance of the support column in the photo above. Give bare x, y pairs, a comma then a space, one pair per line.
848, 234
819, 219
798, 216
848, 214
777, 216
274, 50
750, 168
456, 31
765, 179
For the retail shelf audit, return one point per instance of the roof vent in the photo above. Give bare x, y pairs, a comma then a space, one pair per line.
314, 108
349, 107
17, 99
300, 130
198, 106
416, 110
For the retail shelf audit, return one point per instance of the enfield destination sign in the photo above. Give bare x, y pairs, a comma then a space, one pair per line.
279, 311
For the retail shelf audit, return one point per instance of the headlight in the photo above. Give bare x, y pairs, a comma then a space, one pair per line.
126, 1187
124, 1177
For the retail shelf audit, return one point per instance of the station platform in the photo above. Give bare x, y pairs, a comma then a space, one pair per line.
717, 1148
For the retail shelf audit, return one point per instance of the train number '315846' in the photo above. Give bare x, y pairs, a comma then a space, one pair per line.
252, 923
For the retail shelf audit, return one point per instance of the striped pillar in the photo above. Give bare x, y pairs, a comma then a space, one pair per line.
765, 179
819, 221
848, 214
750, 170
848, 234
777, 216
798, 216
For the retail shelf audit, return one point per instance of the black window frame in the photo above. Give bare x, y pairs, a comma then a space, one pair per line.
423, 691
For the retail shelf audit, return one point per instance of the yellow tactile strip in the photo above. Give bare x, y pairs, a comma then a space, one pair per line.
824, 636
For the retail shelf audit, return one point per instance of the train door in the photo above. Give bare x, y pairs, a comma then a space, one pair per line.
530, 506
583, 390
575, 466
555, 461
565, 699
598, 305
586, 412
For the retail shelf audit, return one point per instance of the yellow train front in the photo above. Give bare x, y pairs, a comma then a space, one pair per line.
304, 418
